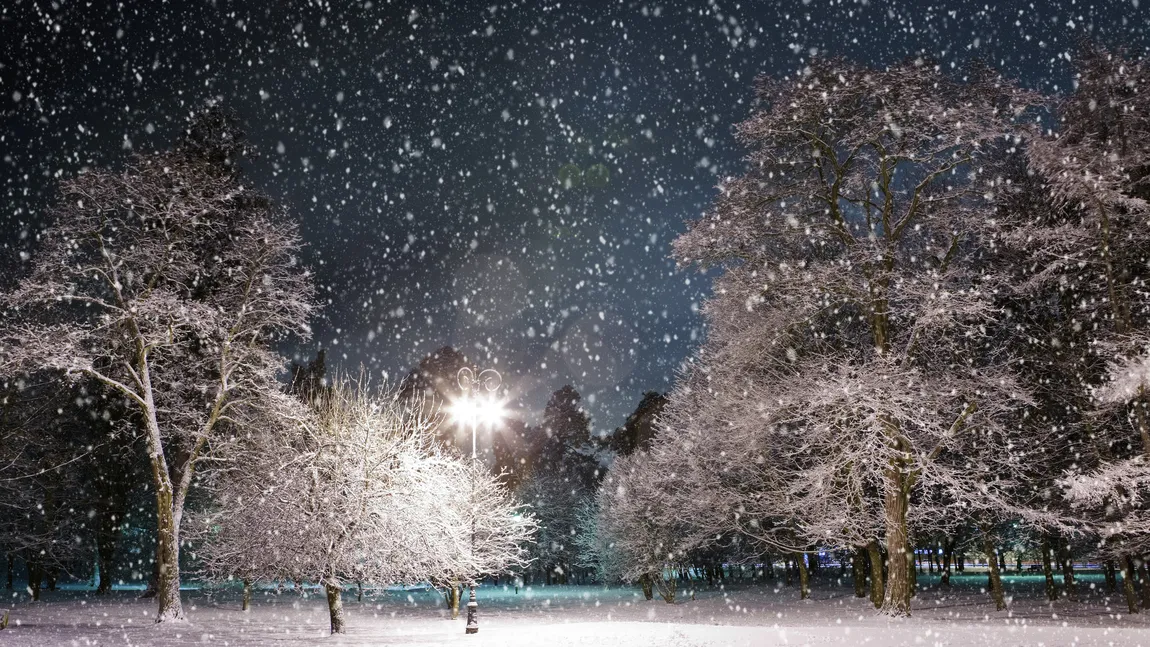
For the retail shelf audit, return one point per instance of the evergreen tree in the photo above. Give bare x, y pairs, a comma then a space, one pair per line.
436, 381
639, 429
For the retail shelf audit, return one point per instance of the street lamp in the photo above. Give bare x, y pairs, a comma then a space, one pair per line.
477, 406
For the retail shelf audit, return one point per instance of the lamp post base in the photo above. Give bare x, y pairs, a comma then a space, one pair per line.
472, 613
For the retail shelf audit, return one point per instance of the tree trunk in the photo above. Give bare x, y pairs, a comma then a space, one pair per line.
992, 564
168, 561
169, 503
34, 577
359, 591
876, 583
1067, 562
896, 601
1048, 570
645, 582
453, 600
11, 568
334, 604
666, 587
804, 578
858, 571
167, 536
1139, 406
105, 554
114, 489
247, 594
1145, 577
947, 561
1128, 584
788, 572
913, 588
1111, 577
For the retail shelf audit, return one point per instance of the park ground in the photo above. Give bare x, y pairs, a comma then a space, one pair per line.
738, 613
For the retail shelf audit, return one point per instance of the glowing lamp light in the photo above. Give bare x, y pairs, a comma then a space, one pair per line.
478, 411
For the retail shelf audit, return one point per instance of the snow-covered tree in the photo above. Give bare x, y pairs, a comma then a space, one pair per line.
595, 550
1094, 169
356, 491
1078, 221
645, 522
165, 281
502, 531
1049, 346
847, 355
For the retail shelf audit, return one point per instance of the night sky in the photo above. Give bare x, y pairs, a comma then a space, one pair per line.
502, 177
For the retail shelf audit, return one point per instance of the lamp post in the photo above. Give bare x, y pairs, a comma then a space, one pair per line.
476, 407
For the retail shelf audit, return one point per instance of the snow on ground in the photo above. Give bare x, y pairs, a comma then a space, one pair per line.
737, 614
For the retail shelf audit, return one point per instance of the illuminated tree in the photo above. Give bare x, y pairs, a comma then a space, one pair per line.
356, 491
848, 361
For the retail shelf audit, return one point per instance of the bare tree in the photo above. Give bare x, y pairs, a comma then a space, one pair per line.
166, 281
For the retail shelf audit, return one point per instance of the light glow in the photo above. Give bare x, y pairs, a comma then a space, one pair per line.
487, 411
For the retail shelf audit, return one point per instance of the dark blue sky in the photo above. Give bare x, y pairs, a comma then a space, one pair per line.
503, 177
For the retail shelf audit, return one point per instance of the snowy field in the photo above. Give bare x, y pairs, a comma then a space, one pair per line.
738, 614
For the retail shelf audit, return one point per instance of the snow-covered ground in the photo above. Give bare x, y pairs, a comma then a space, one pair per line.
738, 614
